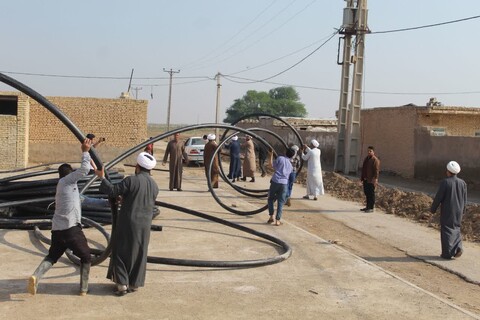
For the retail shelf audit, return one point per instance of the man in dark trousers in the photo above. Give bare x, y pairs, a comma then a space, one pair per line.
66, 223
128, 263
452, 196
369, 178
262, 157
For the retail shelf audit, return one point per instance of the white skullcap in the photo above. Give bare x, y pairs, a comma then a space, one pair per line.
146, 160
315, 143
453, 167
295, 147
235, 138
211, 137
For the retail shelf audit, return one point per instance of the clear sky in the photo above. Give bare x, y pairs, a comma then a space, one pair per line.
102, 41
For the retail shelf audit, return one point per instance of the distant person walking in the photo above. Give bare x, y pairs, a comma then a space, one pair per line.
295, 160
314, 173
249, 162
208, 152
128, 262
369, 178
235, 170
279, 185
452, 196
176, 150
262, 157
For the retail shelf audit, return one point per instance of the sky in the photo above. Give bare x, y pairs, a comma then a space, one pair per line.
88, 49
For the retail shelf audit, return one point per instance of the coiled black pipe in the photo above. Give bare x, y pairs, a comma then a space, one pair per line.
80, 136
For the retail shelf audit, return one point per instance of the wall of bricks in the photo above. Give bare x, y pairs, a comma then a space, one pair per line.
123, 123
456, 121
35, 135
391, 132
14, 134
433, 153
403, 141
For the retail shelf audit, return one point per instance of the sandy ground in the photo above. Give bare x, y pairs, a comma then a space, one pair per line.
337, 271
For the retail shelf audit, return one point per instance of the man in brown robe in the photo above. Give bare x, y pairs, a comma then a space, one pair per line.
249, 165
208, 152
176, 151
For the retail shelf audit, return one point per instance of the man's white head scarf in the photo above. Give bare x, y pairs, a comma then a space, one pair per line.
453, 167
295, 147
315, 143
146, 160
235, 138
211, 137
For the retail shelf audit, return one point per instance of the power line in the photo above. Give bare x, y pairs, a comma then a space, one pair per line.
232, 37
253, 33
296, 64
99, 77
231, 79
426, 26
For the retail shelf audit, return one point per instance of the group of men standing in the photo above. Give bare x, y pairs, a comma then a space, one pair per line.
138, 193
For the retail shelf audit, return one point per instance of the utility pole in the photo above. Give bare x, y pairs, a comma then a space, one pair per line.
171, 72
348, 139
217, 109
136, 89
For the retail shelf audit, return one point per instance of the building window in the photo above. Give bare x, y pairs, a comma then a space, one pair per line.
9, 105
439, 132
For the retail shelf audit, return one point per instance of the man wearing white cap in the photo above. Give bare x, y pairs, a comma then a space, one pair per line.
452, 196
208, 152
314, 172
235, 169
128, 263
249, 163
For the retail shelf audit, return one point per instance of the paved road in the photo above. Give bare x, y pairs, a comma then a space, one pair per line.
319, 281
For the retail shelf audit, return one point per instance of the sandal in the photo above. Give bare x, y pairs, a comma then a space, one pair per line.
270, 220
120, 293
306, 197
278, 223
121, 290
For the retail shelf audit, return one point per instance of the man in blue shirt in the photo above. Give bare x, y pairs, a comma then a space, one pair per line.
279, 184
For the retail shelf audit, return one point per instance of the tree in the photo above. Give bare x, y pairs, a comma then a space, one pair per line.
282, 101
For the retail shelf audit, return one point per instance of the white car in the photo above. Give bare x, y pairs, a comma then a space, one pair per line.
194, 150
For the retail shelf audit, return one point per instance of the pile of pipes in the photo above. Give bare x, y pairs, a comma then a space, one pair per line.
26, 202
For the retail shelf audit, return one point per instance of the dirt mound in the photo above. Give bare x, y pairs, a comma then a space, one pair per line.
411, 205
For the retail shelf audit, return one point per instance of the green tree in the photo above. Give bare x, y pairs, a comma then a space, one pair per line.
282, 101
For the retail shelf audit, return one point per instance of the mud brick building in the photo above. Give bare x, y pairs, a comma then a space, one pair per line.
414, 141
31, 133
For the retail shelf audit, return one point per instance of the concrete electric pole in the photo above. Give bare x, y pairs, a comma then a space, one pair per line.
348, 140
171, 72
217, 108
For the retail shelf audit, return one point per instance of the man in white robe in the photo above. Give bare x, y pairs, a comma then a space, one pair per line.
314, 173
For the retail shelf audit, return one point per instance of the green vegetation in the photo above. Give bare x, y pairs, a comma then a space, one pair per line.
282, 101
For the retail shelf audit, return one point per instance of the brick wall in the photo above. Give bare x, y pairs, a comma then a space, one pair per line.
123, 123
14, 134
456, 121
433, 153
391, 132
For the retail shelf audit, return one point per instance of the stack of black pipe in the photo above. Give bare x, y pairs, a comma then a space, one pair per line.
28, 203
